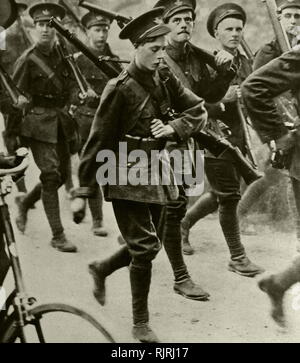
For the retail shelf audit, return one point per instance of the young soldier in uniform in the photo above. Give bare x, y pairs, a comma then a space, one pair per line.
226, 23
47, 129
97, 26
290, 19
193, 66
259, 92
134, 109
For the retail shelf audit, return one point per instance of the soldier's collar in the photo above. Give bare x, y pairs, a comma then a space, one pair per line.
45, 50
179, 54
98, 52
145, 78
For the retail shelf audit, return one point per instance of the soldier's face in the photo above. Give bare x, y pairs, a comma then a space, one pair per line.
45, 34
149, 55
98, 36
230, 33
182, 26
290, 18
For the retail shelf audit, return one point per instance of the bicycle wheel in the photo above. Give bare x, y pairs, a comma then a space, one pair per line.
57, 323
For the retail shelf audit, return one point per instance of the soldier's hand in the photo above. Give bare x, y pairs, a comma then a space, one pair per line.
91, 94
286, 142
223, 57
78, 208
161, 131
22, 103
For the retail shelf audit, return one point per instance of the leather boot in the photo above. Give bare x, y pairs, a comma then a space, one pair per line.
277, 285
62, 244
187, 249
190, 290
276, 294
98, 229
244, 267
101, 270
144, 334
97, 271
140, 279
22, 211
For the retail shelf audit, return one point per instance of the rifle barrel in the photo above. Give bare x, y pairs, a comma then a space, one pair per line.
105, 67
111, 14
247, 49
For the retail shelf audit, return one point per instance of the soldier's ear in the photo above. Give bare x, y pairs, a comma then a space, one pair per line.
216, 33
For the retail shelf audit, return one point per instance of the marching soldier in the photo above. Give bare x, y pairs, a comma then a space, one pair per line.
290, 19
47, 128
97, 26
193, 67
134, 109
259, 92
226, 23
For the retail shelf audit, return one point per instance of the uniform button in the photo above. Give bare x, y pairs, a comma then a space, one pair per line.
186, 73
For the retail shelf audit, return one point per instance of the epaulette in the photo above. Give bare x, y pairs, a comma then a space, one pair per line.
122, 77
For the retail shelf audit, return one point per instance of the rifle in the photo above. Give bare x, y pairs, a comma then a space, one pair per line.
80, 78
247, 50
73, 15
248, 142
9, 85
219, 146
101, 62
278, 160
120, 19
242, 111
280, 33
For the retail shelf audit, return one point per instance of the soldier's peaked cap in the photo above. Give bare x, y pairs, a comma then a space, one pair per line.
173, 7
96, 18
147, 25
224, 11
284, 4
44, 11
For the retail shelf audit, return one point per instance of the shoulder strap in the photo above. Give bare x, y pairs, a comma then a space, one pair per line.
177, 71
47, 70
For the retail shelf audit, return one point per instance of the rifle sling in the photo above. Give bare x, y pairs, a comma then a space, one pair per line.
47, 70
177, 70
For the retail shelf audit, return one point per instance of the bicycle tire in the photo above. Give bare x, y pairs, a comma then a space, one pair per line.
12, 331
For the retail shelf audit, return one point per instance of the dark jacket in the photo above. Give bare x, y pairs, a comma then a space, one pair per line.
266, 54
49, 96
199, 68
230, 117
97, 80
128, 105
268, 82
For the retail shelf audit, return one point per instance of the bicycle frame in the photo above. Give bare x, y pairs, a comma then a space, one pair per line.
18, 299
